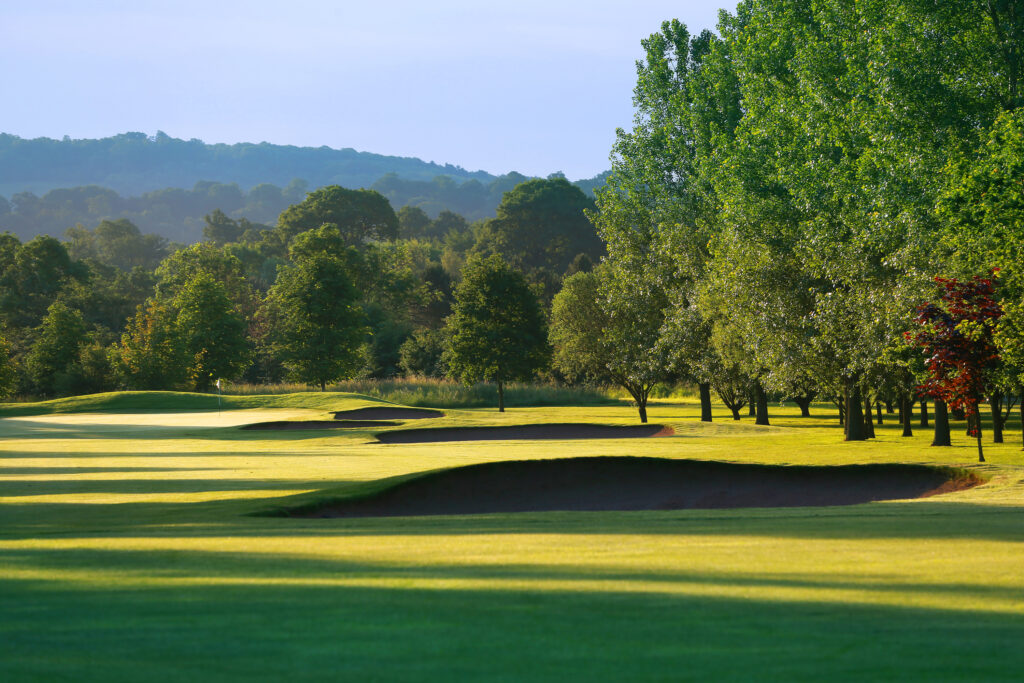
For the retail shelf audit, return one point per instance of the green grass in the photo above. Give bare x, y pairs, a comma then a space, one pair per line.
129, 551
446, 393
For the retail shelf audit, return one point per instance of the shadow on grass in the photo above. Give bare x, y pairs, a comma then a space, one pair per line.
15, 489
253, 628
929, 519
14, 428
48, 471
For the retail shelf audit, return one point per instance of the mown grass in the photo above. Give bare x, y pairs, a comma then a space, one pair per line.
128, 552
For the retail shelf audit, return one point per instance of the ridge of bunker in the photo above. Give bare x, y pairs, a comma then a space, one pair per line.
387, 413
640, 483
564, 430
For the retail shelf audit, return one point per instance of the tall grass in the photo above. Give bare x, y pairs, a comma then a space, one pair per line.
445, 393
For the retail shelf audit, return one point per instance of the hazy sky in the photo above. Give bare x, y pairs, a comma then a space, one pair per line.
528, 85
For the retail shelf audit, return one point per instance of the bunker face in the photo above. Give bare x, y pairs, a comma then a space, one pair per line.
386, 413
319, 424
523, 432
625, 483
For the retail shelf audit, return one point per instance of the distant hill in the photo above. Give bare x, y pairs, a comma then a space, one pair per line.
48, 186
134, 163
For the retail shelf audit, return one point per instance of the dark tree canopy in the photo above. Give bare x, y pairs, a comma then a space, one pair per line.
542, 224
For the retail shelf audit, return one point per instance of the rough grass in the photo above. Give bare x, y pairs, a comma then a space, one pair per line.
128, 552
445, 393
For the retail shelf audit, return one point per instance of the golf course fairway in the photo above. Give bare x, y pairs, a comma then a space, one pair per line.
142, 539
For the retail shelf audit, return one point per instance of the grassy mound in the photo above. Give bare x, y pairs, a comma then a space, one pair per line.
637, 483
388, 413
182, 401
305, 425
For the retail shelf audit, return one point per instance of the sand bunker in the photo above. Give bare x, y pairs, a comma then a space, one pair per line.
524, 432
320, 424
627, 483
385, 413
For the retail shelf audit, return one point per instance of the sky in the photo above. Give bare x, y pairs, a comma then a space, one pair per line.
532, 86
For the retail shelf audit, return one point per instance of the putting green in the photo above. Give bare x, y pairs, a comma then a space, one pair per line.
128, 551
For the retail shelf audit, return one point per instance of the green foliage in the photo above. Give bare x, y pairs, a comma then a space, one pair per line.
51, 363
212, 331
578, 327
31, 276
421, 355
118, 244
542, 224
319, 327
497, 330
412, 222
152, 353
8, 373
359, 215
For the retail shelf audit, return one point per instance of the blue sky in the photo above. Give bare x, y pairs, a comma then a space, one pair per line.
530, 86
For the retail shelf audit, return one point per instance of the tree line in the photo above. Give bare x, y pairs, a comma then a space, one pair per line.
340, 286
795, 190
178, 214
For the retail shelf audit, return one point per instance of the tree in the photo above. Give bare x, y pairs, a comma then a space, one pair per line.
412, 222
319, 326
658, 210
31, 277
360, 215
219, 229
957, 338
8, 374
152, 354
212, 331
184, 265
51, 361
422, 354
496, 331
542, 224
601, 332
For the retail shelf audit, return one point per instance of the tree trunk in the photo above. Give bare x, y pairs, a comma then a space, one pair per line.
977, 432
995, 402
805, 405
899, 406
762, 405
924, 412
889, 408
735, 412
854, 416
906, 408
941, 435
752, 404
840, 403
869, 425
501, 397
958, 413
323, 385
878, 407
640, 397
705, 402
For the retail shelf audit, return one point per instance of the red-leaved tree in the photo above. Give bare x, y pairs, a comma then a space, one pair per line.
956, 334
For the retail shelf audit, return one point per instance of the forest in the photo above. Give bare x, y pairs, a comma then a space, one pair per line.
818, 202
178, 214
